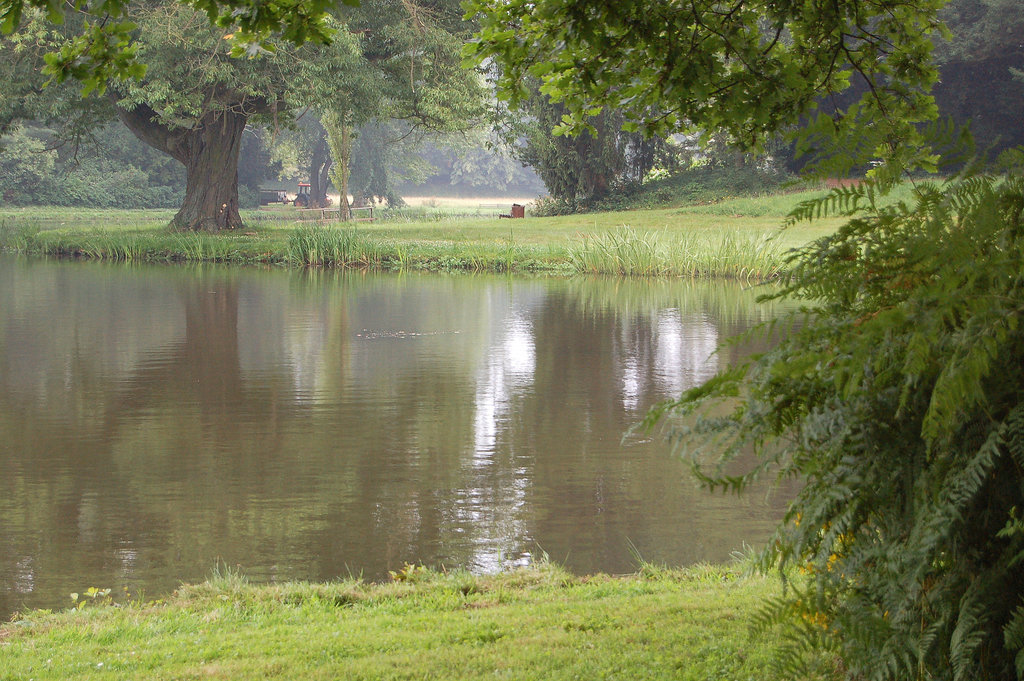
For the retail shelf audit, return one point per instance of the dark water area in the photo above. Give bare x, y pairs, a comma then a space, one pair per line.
158, 421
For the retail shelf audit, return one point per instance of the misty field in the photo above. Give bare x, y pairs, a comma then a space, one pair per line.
740, 237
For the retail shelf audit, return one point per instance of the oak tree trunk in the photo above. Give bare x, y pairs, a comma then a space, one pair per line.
211, 175
209, 151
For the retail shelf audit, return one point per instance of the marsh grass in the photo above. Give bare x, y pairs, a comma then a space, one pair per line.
632, 252
15, 235
149, 245
320, 246
535, 623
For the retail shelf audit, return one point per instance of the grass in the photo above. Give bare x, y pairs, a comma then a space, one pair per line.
536, 623
725, 254
736, 238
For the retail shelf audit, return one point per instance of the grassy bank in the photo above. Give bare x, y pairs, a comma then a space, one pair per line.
737, 238
538, 623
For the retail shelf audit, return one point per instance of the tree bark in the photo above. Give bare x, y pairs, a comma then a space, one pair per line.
339, 140
345, 162
209, 152
211, 174
319, 169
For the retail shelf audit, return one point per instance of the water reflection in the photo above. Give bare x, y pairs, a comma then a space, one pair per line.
310, 425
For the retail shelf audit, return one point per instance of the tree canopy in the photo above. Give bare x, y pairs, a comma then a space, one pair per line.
745, 67
105, 49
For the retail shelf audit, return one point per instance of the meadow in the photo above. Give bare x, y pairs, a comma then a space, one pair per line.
738, 237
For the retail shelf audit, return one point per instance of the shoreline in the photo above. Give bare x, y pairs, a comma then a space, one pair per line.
697, 242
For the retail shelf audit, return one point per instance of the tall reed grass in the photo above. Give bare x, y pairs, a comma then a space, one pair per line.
16, 236
630, 252
325, 247
137, 246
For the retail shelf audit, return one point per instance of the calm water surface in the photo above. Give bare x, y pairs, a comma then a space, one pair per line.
157, 421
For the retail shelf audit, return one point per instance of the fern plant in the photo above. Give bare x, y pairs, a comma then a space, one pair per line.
896, 396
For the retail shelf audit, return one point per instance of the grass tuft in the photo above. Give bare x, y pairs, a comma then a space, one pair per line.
319, 246
630, 252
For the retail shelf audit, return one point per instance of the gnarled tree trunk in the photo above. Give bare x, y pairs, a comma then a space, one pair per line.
211, 174
209, 152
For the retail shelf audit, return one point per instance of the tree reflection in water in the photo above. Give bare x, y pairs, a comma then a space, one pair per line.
315, 424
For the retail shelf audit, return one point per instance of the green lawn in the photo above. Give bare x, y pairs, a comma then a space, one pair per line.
738, 237
538, 623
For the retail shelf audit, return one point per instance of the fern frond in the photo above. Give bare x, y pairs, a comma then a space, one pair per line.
1013, 637
969, 634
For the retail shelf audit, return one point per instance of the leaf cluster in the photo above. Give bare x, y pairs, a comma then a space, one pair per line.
749, 68
105, 48
896, 397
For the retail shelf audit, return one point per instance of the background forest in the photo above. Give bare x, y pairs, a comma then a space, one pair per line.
44, 161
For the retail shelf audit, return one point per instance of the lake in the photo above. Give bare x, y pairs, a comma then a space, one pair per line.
158, 422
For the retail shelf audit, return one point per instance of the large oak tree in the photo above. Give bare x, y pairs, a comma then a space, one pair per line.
196, 100
387, 59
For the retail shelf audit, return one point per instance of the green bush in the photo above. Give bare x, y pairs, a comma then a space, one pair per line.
696, 185
31, 174
248, 197
897, 399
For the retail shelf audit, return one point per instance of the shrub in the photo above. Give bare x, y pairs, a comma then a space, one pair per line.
897, 398
695, 185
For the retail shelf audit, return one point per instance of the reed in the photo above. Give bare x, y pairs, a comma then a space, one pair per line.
16, 236
317, 246
199, 247
149, 245
630, 252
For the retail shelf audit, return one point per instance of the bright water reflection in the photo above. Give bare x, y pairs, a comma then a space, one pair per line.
154, 421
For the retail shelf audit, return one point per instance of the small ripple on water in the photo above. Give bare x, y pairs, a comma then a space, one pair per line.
368, 334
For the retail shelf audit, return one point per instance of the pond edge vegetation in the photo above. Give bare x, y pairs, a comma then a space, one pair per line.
624, 251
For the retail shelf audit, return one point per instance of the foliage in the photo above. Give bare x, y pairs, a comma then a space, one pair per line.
572, 168
579, 170
415, 83
977, 69
380, 150
388, 58
697, 185
749, 68
104, 175
896, 396
471, 163
25, 167
487, 171
106, 49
